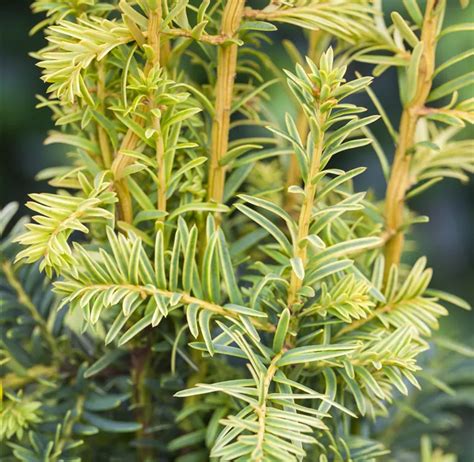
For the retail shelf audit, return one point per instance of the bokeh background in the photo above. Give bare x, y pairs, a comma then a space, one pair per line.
446, 240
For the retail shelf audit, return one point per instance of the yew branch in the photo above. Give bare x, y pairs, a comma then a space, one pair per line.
226, 70
399, 177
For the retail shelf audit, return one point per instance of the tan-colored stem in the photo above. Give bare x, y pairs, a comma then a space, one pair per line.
361, 322
210, 39
121, 161
14, 381
104, 145
142, 355
186, 299
224, 90
160, 162
304, 221
374, 314
153, 37
469, 116
130, 139
165, 50
399, 177
158, 49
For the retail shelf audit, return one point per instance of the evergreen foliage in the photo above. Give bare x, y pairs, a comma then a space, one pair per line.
193, 293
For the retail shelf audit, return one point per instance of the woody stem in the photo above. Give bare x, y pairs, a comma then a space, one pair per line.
398, 183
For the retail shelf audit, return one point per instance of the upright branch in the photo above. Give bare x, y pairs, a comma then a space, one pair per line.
226, 70
154, 24
399, 177
319, 92
160, 161
141, 355
261, 409
101, 133
121, 161
131, 139
294, 174
304, 220
154, 41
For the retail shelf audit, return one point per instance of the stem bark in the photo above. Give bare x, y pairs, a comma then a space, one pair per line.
226, 70
399, 181
130, 139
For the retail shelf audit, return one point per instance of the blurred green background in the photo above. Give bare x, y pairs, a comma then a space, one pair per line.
446, 240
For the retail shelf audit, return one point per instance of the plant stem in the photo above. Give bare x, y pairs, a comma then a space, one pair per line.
154, 25
294, 174
141, 355
15, 381
226, 70
25, 300
121, 161
155, 42
374, 314
399, 181
67, 431
261, 410
304, 221
130, 139
161, 173
185, 299
206, 38
101, 133
361, 322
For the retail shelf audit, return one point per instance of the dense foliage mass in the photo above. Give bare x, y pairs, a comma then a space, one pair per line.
205, 284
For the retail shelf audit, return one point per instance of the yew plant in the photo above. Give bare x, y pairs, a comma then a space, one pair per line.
205, 284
